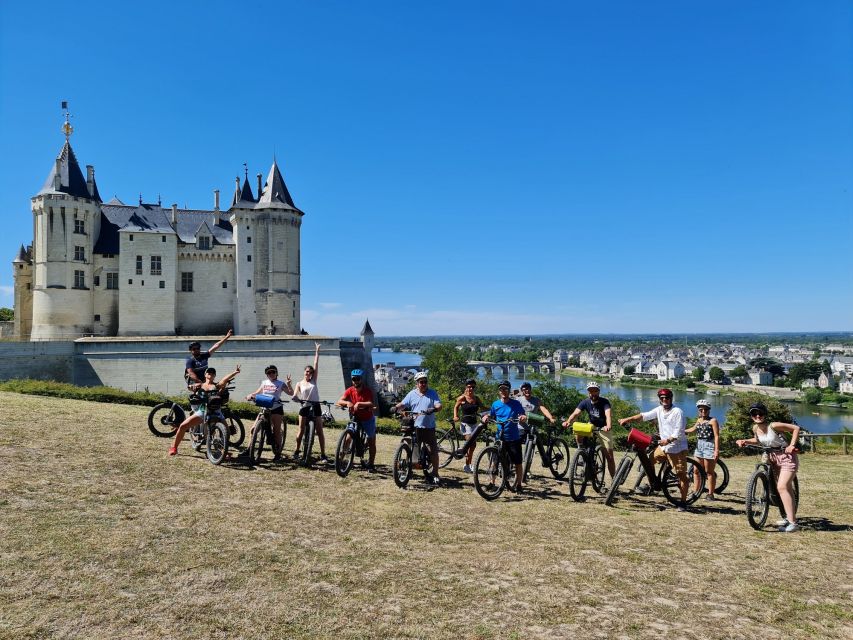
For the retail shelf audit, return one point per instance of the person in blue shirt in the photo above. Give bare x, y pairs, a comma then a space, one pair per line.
424, 401
507, 413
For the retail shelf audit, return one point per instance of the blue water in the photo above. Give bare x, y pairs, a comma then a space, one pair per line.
829, 421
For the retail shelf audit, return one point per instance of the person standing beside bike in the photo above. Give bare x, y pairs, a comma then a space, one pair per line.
508, 413
425, 402
707, 445
673, 440
196, 363
532, 404
359, 400
203, 389
468, 404
785, 463
601, 417
272, 386
306, 391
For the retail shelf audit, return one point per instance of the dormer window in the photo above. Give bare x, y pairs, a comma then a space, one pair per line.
204, 242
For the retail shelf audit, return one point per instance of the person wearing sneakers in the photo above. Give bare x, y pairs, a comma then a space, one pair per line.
673, 440
509, 414
306, 391
468, 404
359, 400
273, 386
707, 444
424, 402
201, 390
785, 462
601, 416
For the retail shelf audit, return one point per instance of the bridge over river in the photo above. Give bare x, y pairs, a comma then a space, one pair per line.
498, 369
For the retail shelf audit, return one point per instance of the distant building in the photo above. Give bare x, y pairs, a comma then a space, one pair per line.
760, 376
826, 381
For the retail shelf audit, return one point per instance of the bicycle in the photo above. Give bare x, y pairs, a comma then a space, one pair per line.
352, 442
410, 443
722, 471
554, 451
588, 464
641, 448
304, 452
761, 491
165, 418
493, 470
263, 432
448, 443
667, 482
211, 432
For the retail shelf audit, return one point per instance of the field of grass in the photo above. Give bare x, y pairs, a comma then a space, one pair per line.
105, 536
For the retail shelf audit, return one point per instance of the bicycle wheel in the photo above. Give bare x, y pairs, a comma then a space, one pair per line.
344, 453
669, 482
622, 473
722, 470
163, 421
527, 455
217, 442
448, 443
599, 470
560, 458
256, 447
490, 473
757, 503
198, 437
236, 430
307, 444
402, 465
577, 475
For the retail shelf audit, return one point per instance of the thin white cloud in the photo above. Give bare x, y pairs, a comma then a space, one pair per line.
331, 305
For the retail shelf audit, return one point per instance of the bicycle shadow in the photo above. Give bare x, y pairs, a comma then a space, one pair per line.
822, 524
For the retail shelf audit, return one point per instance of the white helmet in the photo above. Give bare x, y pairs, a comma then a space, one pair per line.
592, 384
419, 375
703, 403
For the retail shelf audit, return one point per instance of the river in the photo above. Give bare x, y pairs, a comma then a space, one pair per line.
830, 420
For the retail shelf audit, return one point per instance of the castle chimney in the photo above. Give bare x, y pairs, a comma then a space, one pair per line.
57, 179
90, 179
216, 199
259, 186
174, 214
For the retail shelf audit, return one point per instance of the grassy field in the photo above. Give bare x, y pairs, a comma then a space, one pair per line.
105, 536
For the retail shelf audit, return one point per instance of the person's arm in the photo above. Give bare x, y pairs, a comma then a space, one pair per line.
715, 426
793, 429
634, 418
316, 362
221, 342
574, 416
608, 419
456, 406
753, 440
288, 387
252, 395
343, 402
546, 413
224, 382
189, 371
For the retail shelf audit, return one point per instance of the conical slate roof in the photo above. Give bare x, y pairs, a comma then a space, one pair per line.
367, 330
275, 191
71, 178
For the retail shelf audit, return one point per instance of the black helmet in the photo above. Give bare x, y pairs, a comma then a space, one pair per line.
506, 384
526, 385
194, 345
271, 368
470, 382
758, 407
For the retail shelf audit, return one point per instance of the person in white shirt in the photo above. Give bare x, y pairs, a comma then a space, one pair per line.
673, 439
306, 390
272, 386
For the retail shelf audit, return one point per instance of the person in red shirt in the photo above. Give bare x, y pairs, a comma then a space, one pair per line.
359, 400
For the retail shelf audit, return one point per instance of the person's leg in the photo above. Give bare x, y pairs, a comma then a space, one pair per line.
711, 472
318, 429
302, 421
190, 422
469, 452
276, 421
784, 485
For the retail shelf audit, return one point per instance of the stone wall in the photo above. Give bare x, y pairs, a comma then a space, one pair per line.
37, 360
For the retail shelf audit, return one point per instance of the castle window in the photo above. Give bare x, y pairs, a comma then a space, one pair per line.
112, 281
163, 238
130, 281
142, 283
162, 284
248, 258
204, 242
248, 239
186, 280
80, 253
224, 285
79, 279
97, 317
62, 210
96, 281
79, 226
130, 237
248, 283
156, 268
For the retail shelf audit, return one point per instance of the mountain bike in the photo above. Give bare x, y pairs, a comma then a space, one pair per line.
553, 450
411, 447
722, 471
493, 470
761, 491
449, 442
588, 464
352, 442
263, 433
212, 432
667, 482
304, 451
165, 418
635, 450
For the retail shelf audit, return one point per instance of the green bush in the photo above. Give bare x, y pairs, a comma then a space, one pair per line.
738, 423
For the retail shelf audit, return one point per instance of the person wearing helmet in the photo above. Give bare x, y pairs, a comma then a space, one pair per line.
359, 400
196, 362
272, 386
425, 402
600, 415
707, 444
673, 440
784, 462
508, 413
468, 404
203, 389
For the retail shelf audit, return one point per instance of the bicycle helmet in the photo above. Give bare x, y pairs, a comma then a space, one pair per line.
758, 407
526, 385
505, 385
592, 384
703, 403
356, 373
211, 371
271, 368
420, 375
665, 392
194, 345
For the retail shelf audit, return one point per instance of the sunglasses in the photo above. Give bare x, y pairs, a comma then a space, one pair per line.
757, 414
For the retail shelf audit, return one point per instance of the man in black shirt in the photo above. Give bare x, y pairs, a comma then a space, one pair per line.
196, 363
598, 410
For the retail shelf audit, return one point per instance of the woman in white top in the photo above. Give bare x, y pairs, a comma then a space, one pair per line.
784, 462
306, 391
272, 386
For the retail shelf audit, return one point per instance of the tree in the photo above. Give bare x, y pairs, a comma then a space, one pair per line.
738, 372
448, 370
6, 314
812, 396
699, 373
768, 364
716, 374
629, 370
738, 423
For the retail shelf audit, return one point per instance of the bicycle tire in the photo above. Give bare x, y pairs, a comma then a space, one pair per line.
669, 482
757, 503
577, 475
402, 465
560, 458
307, 444
198, 437
344, 453
599, 470
448, 443
722, 478
256, 447
529, 453
217, 442
490, 473
622, 473
236, 430
163, 422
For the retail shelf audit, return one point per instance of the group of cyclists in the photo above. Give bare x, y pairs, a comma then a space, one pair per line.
510, 415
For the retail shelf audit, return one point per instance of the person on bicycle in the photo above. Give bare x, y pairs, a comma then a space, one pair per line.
673, 440
196, 363
359, 400
202, 390
272, 386
467, 405
600, 416
508, 413
306, 391
785, 463
707, 444
424, 401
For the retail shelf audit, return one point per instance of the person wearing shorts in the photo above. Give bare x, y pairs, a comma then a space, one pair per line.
707, 444
272, 386
306, 391
201, 389
424, 402
600, 416
508, 414
467, 405
359, 400
673, 439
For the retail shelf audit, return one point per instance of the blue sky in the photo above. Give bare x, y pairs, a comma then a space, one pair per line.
474, 167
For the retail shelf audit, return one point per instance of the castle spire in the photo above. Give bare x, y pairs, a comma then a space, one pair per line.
67, 129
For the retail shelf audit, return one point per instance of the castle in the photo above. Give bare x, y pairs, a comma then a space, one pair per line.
110, 269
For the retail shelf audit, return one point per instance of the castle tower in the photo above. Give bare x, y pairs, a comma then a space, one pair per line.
267, 238
67, 219
22, 268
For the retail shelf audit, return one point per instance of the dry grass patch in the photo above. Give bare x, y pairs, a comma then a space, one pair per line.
105, 536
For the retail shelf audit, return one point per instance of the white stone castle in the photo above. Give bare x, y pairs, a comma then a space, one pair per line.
111, 269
